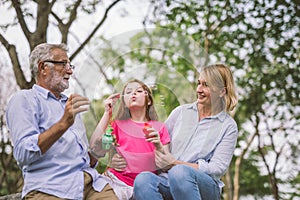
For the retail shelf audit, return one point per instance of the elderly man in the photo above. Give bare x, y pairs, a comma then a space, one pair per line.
49, 138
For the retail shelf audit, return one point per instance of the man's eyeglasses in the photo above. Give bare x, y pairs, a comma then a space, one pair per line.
67, 65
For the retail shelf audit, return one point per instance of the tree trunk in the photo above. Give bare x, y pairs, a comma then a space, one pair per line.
228, 189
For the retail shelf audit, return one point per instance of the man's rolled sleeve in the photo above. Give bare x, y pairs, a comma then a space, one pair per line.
27, 151
22, 121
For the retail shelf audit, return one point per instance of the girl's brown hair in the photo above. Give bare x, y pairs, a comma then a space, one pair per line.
123, 111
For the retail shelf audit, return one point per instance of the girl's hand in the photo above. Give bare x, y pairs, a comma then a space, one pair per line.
153, 136
110, 102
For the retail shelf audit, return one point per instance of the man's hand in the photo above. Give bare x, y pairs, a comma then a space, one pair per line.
75, 104
93, 160
164, 160
118, 163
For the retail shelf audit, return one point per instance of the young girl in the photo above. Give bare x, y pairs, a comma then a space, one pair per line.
135, 145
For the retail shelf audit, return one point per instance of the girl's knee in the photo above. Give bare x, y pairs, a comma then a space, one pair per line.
144, 178
143, 183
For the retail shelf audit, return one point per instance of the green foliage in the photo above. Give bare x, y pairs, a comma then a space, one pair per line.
10, 173
259, 40
252, 182
165, 101
92, 117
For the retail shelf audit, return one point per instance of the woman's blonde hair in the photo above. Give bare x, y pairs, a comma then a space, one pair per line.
123, 111
219, 76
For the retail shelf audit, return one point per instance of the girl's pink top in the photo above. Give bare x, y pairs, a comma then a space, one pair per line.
139, 154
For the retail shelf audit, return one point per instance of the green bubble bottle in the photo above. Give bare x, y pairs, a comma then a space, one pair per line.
107, 138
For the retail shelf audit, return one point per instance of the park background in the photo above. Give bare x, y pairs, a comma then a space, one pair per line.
164, 43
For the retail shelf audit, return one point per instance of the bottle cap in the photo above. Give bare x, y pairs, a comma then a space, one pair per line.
146, 126
109, 129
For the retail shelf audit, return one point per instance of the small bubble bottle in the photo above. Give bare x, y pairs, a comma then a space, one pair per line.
107, 138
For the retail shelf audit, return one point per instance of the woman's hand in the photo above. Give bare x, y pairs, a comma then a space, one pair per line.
118, 163
164, 160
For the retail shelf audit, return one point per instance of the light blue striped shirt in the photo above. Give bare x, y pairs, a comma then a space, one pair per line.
59, 171
209, 142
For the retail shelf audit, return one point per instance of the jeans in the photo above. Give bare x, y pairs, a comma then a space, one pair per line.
183, 182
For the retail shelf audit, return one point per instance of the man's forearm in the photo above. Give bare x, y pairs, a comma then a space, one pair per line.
50, 136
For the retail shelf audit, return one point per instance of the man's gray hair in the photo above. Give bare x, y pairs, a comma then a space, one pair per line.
43, 52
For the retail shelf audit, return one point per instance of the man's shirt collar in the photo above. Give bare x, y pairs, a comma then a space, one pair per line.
46, 93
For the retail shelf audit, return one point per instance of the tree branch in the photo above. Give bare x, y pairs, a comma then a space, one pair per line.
20, 78
271, 173
73, 14
64, 27
42, 22
17, 5
95, 29
239, 160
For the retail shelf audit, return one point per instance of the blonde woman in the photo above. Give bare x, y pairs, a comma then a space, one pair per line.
203, 139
